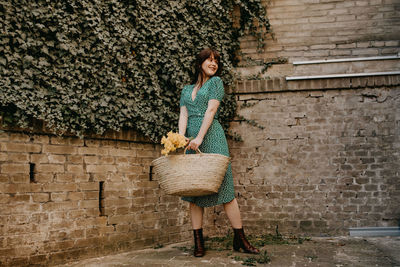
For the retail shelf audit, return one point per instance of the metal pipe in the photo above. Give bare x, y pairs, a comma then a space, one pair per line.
345, 60
343, 75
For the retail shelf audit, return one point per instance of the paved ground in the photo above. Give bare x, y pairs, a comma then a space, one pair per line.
333, 251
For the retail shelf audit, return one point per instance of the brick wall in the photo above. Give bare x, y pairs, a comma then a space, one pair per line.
323, 29
52, 210
310, 29
327, 160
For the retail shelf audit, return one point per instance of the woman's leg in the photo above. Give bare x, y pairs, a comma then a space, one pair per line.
233, 213
196, 215
239, 239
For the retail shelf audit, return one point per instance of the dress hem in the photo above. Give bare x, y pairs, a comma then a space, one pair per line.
206, 206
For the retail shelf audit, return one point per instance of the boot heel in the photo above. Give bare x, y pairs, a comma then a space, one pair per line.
240, 242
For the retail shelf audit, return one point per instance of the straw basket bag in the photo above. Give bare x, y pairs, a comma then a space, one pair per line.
191, 174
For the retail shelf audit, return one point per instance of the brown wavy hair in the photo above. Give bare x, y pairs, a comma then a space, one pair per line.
200, 58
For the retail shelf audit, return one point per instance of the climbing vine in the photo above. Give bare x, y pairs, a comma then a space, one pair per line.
87, 66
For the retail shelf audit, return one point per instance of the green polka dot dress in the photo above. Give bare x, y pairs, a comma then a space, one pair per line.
214, 141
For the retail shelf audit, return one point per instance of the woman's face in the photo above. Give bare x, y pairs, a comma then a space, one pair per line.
210, 66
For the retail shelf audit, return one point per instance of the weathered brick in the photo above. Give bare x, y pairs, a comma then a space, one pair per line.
4, 198
147, 154
20, 178
57, 197
130, 169
59, 187
106, 160
44, 177
14, 168
19, 137
123, 152
56, 158
89, 204
75, 195
89, 186
82, 177
18, 157
392, 43
91, 159
50, 168
41, 139
56, 206
4, 136
64, 177
101, 168
75, 168
56, 140
23, 208
39, 158
38, 259
94, 143
41, 197
91, 195
371, 187
3, 156
21, 147
75, 159
58, 149
92, 151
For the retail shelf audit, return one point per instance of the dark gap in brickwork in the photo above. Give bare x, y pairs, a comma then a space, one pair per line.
151, 173
101, 198
32, 172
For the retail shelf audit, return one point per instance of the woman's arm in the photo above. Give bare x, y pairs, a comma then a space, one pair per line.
183, 118
212, 108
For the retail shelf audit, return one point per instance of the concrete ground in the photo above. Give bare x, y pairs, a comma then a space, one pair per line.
317, 251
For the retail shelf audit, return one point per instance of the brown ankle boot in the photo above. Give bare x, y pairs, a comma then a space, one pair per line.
199, 250
240, 242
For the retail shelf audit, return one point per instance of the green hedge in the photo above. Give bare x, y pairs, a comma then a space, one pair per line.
88, 66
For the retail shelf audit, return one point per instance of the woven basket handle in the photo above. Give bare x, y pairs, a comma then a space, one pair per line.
197, 150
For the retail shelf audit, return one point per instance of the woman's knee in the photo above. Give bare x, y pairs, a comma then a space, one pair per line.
230, 202
193, 206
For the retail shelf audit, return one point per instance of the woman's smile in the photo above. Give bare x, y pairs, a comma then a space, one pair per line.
212, 68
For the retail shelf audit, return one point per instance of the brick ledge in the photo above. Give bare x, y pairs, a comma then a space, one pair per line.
281, 85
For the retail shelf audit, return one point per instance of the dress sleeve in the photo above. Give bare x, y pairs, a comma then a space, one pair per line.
182, 100
217, 89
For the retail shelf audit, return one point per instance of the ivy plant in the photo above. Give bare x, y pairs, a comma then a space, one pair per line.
87, 66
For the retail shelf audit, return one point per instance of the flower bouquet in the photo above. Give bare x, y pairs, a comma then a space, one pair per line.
172, 142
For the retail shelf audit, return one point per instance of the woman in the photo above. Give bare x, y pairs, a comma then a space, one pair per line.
199, 108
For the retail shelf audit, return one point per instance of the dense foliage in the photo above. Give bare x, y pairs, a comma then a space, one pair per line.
86, 66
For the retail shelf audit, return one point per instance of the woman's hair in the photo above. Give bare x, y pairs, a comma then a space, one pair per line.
200, 58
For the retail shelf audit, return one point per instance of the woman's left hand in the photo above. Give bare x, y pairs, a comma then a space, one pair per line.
195, 143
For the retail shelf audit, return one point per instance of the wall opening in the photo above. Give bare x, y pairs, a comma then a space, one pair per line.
32, 172
101, 198
151, 173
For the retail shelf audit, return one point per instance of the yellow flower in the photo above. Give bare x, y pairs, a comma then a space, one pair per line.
164, 152
163, 140
172, 142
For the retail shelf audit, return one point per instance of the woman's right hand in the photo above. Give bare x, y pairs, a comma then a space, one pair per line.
187, 141
195, 143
